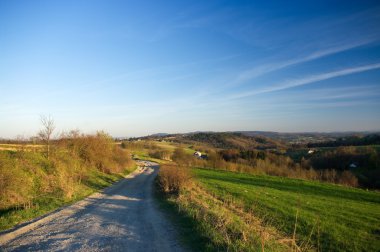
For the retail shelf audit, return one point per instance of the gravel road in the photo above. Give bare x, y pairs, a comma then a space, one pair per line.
123, 217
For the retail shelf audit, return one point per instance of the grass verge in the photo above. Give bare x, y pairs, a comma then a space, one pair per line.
48, 203
206, 223
185, 225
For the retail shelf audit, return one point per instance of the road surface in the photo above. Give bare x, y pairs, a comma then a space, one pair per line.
123, 217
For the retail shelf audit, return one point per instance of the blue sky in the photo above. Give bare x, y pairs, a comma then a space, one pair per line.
140, 67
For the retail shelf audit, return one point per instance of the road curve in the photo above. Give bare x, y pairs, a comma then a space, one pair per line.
123, 217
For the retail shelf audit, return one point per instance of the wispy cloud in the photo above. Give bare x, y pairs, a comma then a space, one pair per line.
308, 80
330, 93
268, 68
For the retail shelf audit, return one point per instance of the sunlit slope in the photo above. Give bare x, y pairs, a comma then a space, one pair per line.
333, 218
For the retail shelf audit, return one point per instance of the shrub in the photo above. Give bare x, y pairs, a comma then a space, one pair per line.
171, 178
348, 178
15, 182
180, 157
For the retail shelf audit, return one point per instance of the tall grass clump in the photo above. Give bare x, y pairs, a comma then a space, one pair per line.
173, 178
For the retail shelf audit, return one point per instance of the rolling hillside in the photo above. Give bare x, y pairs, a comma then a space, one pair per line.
229, 140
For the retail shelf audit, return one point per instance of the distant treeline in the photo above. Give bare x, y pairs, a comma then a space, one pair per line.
373, 139
364, 162
19, 140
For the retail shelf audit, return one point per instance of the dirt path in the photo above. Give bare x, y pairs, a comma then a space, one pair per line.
124, 217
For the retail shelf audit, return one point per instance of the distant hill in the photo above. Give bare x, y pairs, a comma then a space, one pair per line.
305, 137
230, 140
159, 135
269, 139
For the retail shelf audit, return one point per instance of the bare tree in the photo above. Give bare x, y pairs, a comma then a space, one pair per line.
46, 132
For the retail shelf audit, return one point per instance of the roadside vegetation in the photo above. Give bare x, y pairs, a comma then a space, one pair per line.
34, 181
210, 224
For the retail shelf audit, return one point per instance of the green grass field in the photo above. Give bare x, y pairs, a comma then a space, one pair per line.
143, 153
330, 217
172, 146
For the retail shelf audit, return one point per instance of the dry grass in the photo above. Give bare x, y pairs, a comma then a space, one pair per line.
23, 147
227, 225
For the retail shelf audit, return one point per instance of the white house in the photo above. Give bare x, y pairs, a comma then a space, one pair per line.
353, 166
197, 154
310, 151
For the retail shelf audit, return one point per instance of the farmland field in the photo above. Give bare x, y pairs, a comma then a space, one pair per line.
329, 217
15, 147
172, 146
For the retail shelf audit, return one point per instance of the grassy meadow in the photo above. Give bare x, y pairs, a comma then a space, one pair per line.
329, 217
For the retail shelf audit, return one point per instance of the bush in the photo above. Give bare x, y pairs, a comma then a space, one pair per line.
15, 182
172, 178
348, 178
180, 157
96, 150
